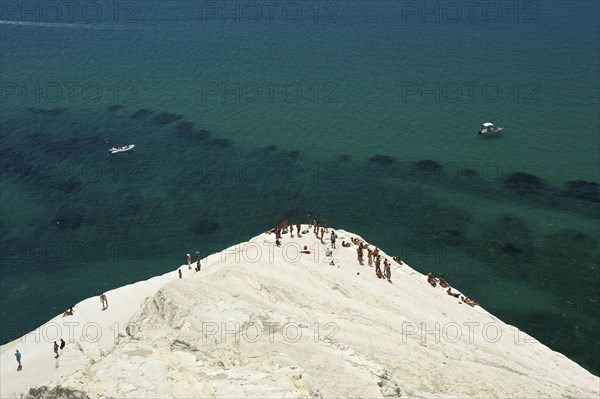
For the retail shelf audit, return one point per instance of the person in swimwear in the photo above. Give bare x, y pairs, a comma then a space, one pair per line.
443, 282
431, 279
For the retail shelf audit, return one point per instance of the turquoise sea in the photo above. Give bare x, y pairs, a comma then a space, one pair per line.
244, 113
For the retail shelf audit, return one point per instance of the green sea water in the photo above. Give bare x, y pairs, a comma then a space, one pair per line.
361, 111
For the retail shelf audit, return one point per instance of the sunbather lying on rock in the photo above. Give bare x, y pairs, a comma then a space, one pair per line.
468, 301
443, 282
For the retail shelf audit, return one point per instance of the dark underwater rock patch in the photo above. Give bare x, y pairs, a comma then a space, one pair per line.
73, 146
427, 165
585, 190
512, 225
202, 134
141, 113
580, 236
426, 171
343, 157
49, 112
184, 127
468, 172
523, 183
452, 237
267, 150
454, 233
225, 143
293, 155
114, 108
510, 248
68, 218
441, 225
164, 118
574, 239
204, 226
383, 160
186, 130
65, 147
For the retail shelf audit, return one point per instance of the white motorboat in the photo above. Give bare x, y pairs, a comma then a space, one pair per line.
489, 128
115, 150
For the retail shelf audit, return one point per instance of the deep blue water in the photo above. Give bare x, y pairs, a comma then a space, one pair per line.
361, 111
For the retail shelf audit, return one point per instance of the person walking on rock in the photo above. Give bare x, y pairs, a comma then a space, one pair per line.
104, 301
359, 254
189, 261
378, 266
18, 357
387, 271
333, 238
55, 350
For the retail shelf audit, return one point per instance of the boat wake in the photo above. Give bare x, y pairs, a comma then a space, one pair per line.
60, 25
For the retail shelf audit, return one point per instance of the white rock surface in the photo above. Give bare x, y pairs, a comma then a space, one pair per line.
262, 321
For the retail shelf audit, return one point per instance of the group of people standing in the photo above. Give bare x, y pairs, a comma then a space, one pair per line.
57, 347
319, 229
283, 227
373, 257
189, 263
198, 266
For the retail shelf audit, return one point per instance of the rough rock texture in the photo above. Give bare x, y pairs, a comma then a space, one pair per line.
262, 321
